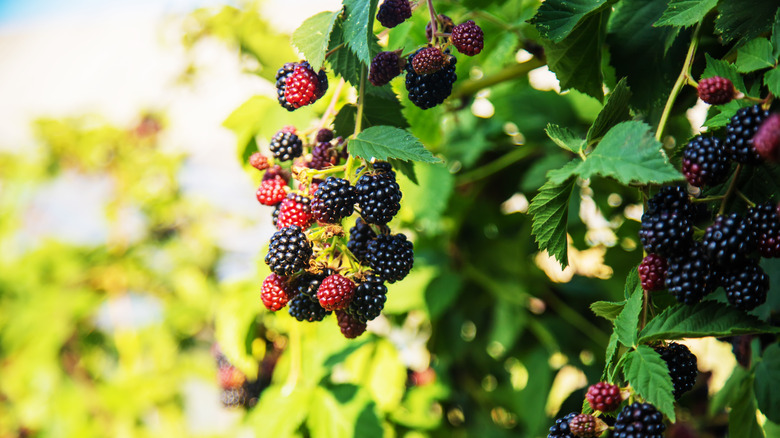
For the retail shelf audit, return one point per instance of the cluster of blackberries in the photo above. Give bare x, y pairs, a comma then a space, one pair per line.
726, 255
430, 71
316, 270
297, 85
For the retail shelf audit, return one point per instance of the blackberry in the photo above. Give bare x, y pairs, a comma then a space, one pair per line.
390, 256
230, 377
295, 209
304, 86
682, 366
767, 139
335, 292
271, 192
561, 427
746, 286
276, 172
305, 306
428, 60
765, 223
604, 397
275, 293
350, 326
467, 38
289, 251
672, 198
585, 426
275, 215
286, 145
689, 276
324, 135
359, 237
234, 397
728, 240
323, 155
258, 161
427, 91
281, 84
378, 196
394, 12
369, 299
445, 26
652, 272
333, 201
665, 232
639, 420
384, 67
705, 162
740, 132
716, 90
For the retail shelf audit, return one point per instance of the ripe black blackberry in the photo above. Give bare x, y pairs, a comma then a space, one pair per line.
359, 237
740, 132
427, 91
746, 286
305, 306
689, 276
665, 232
289, 251
716, 90
765, 223
324, 135
639, 420
281, 84
394, 12
378, 196
728, 240
286, 145
384, 67
391, 256
369, 299
682, 366
671, 198
333, 201
428, 60
467, 38
705, 162
561, 427
350, 326
652, 272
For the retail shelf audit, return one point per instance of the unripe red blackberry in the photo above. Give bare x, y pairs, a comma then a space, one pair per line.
323, 155
289, 251
665, 232
682, 366
230, 377
276, 172
652, 272
740, 132
716, 90
390, 256
746, 285
767, 139
378, 196
324, 135
765, 223
639, 420
705, 162
334, 200
271, 192
369, 299
305, 306
428, 60
728, 240
335, 292
604, 397
275, 292
286, 145
303, 86
295, 209
350, 326
427, 91
258, 161
561, 427
384, 67
690, 276
467, 38
586, 426
445, 26
394, 12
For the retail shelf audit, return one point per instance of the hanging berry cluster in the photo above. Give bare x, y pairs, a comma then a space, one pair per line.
318, 268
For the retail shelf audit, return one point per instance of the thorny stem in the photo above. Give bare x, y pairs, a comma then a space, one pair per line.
434, 23
730, 191
685, 73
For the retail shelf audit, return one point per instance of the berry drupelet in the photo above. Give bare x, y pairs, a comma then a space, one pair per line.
390, 256
394, 12
639, 420
716, 90
289, 251
427, 91
334, 200
705, 162
740, 132
682, 365
384, 67
467, 38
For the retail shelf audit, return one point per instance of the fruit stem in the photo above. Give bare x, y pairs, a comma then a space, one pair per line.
685, 73
497, 165
334, 50
745, 198
707, 199
730, 191
514, 71
434, 23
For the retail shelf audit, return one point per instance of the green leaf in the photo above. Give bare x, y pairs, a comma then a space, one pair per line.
377, 110
685, 12
718, 67
610, 356
385, 142
343, 61
565, 138
607, 309
736, 21
406, 168
556, 19
260, 116
722, 114
755, 55
723, 397
614, 112
775, 40
708, 318
550, 210
743, 421
312, 38
342, 412
576, 60
628, 153
279, 414
772, 81
627, 322
649, 376
767, 382
358, 28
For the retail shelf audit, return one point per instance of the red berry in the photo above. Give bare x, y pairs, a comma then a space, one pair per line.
294, 210
230, 377
272, 191
350, 326
275, 293
604, 397
467, 38
276, 172
716, 90
302, 86
767, 139
335, 292
259, 161
428, 60
585, 426
652, 272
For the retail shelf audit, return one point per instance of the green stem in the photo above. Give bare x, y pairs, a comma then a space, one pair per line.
707, 199
434, 23
514, 71
334, 50
682, 79
360, 101
745, 198
501, 163
576, 319
730, 191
